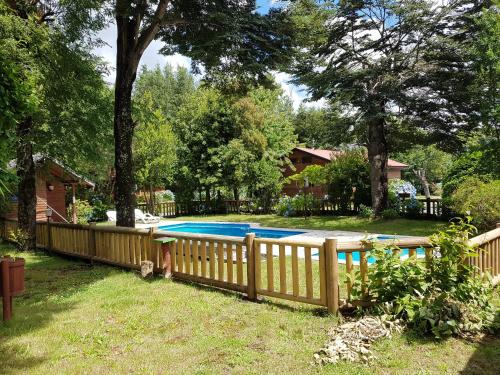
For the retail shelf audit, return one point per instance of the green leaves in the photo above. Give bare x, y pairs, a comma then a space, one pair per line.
443, 298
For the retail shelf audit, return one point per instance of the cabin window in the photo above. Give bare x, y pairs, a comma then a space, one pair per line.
306, 160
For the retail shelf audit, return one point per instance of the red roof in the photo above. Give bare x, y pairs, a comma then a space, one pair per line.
328, 154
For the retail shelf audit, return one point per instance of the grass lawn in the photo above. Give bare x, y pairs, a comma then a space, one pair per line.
74, 318
413, 227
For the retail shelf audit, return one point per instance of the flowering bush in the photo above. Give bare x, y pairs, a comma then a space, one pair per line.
301, 204
399, 188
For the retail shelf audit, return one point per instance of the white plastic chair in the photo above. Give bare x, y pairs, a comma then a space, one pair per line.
111, 215
145, 218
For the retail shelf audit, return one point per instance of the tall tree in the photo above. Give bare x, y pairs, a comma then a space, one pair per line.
50, 51
387, 62
168, 88
224, 35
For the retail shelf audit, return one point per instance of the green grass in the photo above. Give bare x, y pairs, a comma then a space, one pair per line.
74, 318
413, 227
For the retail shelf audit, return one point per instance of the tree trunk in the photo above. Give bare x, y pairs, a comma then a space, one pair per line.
420, 173
133, 39
127, 60
26, 209
377, 155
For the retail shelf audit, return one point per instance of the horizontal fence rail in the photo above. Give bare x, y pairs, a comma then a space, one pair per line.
318, 272
428, 207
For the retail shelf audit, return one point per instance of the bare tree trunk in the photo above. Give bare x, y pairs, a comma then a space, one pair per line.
420, 173
377, 155
124, 130
132, 41
26, 209
126, 68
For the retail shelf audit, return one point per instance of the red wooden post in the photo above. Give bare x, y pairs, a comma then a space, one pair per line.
166, 247
6, 296
167, 260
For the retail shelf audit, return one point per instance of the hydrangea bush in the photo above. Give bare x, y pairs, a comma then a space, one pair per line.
410, 205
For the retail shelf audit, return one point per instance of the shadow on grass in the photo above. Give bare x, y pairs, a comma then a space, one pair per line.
50, 282
269, 301
484, 361
486, 357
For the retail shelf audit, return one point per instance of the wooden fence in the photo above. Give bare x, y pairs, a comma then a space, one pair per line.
430, 208
310, 271
173, 209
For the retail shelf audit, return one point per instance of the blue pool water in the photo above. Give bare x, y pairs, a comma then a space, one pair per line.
226, 229
355, 256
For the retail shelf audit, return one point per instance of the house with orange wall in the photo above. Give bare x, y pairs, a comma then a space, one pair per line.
302, 157
53, 179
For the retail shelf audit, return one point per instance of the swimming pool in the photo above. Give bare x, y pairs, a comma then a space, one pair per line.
227, 229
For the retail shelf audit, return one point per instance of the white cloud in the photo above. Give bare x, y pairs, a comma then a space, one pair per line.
152, 57
298, 94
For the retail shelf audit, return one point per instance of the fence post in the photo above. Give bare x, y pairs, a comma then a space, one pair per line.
332, 275
49, 236
250, 253
92, 244
428, 204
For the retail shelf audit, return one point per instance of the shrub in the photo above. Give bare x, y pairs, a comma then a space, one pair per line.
478, 199
445, 298
483, 161
83, 211
20, 239
412, 207
300, 204
99, 209
348, 178
409, 204
365, 211
389, 213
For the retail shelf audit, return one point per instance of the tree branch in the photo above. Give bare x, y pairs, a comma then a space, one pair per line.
150, 32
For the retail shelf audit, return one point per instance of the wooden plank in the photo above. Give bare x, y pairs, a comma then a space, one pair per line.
220, 260
187, 258
195, 258
349, 267
332, 275
363, 268
173, 256
239, 264
270, 270
295, 271
413, 252
282, 261
180, 255
211, 258
308, 265
258, 273
230, 263
322, 274
250, 246
203, 258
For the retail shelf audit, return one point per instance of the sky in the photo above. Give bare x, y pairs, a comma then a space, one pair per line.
152, 57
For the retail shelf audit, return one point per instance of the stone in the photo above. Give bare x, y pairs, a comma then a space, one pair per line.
147, 268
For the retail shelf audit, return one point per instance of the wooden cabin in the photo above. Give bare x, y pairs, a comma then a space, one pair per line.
53, 179
302, 157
